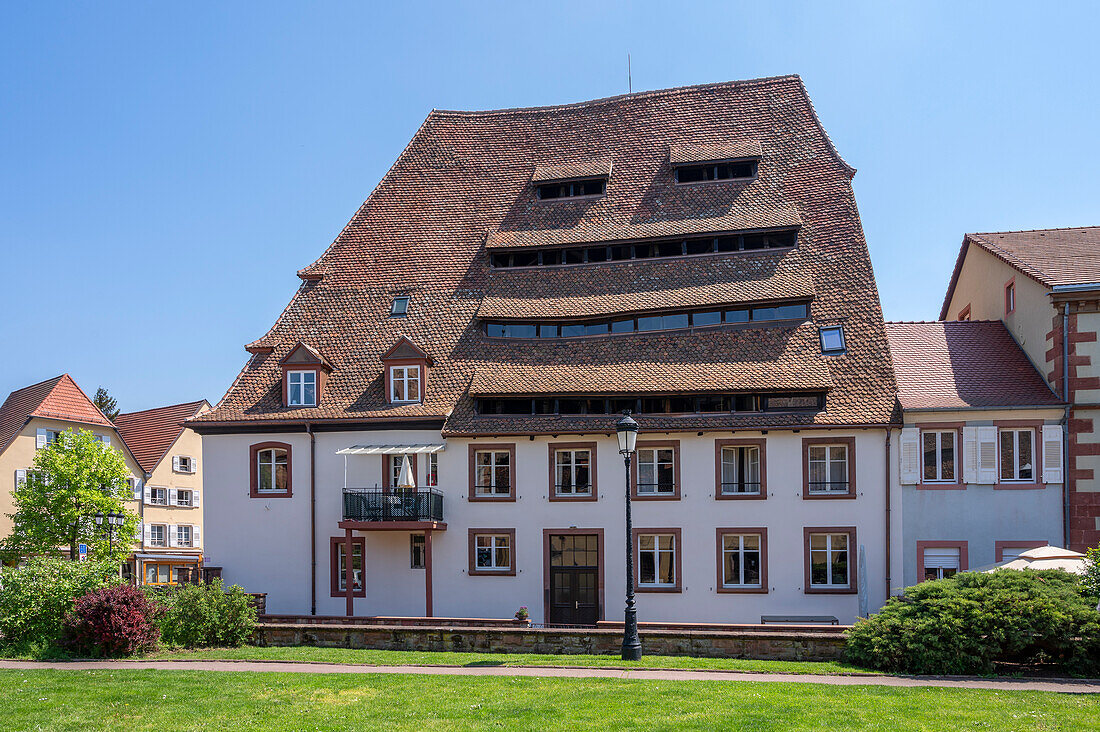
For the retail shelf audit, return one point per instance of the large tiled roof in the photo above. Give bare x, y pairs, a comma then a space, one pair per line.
963, 364
463, 185
592, 168
151, 432
1053, 257
57, 398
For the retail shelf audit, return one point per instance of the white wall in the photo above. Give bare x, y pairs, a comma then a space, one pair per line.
262, 544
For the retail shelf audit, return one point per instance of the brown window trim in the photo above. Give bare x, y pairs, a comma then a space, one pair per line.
676, 476
957, 428
475, 448
763, 588
678, 553
387, 467
1011, 284
546, 534
254, 471
334, 583
999, 546
853, 560
964, 314
759, 443
806, 443
962, 546
553, 448
472, 570
1036, 427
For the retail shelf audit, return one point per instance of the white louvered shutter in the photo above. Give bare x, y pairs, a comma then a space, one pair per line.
1052, 454
148, 535
39, 439
20, 477
910, 456
173, 497
987, 454
196, 540
139, 533
195, 499
176, 463
970, 455
148, 495
137, 489
941, 559
173, 538
194, 465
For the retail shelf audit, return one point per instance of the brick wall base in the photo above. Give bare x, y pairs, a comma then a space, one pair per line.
779, 645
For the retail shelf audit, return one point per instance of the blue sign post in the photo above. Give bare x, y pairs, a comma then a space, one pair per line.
82, 549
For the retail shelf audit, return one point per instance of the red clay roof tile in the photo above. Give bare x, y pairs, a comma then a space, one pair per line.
150, 433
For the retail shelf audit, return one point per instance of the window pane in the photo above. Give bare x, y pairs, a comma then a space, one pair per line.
667, 576
1008, 455
572, 331
647, 569
819, 570
737, 316
646, 541
484, 557
622, 326
674, 321
665, 542
706, 318
1025, 462
650, 323
502, 557
731, 574
929, 439
947, 455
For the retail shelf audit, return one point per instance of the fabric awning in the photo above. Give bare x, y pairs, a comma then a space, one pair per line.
170, 557
391, 449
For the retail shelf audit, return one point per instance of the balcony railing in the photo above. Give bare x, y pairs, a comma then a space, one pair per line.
376, 504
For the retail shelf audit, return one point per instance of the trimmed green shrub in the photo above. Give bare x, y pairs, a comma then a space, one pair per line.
1092, 572
207, 615
35, 598
969, 623
113, 621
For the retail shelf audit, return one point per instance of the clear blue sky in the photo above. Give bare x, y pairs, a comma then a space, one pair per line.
165, 168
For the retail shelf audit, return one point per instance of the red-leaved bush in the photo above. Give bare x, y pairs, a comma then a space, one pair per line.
113, 621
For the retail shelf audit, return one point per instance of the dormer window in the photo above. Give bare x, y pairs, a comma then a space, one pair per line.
400, 307
301, 388
731, 170
832, 339
405, 383
572, 189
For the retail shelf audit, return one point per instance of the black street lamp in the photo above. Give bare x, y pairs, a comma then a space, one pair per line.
626, 429
114, 521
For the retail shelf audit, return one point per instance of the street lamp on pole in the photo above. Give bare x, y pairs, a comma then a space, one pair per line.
626, 429
114, 520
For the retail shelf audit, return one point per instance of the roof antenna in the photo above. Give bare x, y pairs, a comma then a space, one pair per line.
629, 83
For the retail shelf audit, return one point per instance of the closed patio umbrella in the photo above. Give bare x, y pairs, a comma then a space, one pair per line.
405, 480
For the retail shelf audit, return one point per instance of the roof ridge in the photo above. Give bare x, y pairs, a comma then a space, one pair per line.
943, 322
40, 383
1031, 231
166, 406
673, 90
82, 393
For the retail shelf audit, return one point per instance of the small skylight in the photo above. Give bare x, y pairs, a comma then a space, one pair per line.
832, 339
400, 307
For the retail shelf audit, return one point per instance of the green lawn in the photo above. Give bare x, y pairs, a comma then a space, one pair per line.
448, 658
183, 700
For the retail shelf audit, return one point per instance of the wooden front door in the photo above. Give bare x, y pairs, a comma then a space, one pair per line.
574, 579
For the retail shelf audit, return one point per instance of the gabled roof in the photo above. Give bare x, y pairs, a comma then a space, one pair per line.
405, 348
150, 433
57, 398
964, 364
304, 353
463, 186
1052, 257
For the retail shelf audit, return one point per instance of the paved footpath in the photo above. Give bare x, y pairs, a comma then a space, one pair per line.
1068, 686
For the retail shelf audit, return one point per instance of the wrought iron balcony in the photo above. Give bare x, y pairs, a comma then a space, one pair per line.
397, 504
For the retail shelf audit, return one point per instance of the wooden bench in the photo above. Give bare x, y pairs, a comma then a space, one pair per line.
802, 619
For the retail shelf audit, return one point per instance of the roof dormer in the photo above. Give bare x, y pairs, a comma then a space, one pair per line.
716, 162
579, 179
406, 372
305, 373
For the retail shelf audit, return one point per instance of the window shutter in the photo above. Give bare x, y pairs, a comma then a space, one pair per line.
176, 463
148, 496
910, 456
137, 489
139, 532
148, 535
173, 497
195, 499
987, 454
173, 540
1052, 453
107, 440
970, 455
40, 439
196, 540
194, 465
941, 558
20, 477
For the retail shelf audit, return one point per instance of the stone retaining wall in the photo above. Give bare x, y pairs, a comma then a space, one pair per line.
781, 645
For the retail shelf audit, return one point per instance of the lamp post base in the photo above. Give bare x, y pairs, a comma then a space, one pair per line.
632, 644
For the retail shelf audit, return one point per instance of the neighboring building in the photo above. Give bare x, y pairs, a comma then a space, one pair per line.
1045, 286
517, 279
171, 498
32, 417
980, 452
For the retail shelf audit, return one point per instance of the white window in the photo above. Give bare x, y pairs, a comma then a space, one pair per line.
404, 383
493, 552
940, 562
156, 496
158, 535
656, 560
832, 339
741, 560
573, 472
271, 470
656, 471
433, 470
183, 464
741, 470
829, 560
301, 388
938, 451
46, 437
417, 551
183, 536
20, 477
356, 566
828, 469
1017, 456
493, 472
183, 498
103, 439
